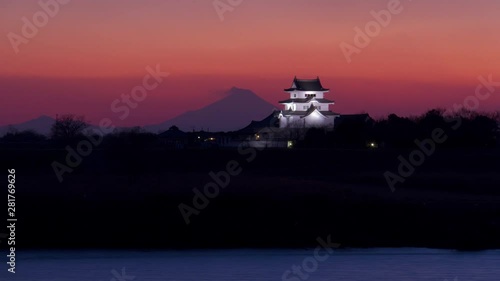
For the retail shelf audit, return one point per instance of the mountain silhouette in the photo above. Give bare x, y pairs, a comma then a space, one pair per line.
40, 125
233, 112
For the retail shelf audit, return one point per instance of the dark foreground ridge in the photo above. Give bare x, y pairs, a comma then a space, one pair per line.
125, 198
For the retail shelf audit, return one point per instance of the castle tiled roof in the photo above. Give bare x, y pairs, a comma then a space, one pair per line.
305, 113
306, 100
306, 85
270, 121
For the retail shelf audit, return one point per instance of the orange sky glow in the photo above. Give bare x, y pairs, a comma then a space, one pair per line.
429, 55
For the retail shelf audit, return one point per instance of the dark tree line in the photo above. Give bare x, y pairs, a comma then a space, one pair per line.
462, 129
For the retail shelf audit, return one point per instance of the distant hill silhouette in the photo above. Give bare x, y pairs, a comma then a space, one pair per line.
40, 125
233, 112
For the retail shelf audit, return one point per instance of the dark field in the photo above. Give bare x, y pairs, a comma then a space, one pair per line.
282, 198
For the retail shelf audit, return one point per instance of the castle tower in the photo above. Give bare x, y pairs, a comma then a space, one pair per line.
307, 107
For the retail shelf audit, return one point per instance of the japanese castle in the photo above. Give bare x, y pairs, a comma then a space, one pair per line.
307, 107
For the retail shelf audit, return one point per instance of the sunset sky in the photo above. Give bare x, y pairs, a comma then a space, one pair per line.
90, 52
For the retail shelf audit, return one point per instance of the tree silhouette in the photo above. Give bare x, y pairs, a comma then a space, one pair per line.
68, 126
28, 136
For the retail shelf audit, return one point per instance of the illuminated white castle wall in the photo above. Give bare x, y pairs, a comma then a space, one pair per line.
307, 106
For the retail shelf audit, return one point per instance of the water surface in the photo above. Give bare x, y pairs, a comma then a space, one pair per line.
255, 265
